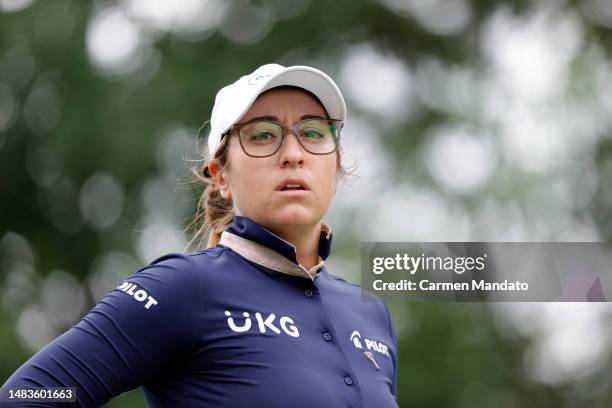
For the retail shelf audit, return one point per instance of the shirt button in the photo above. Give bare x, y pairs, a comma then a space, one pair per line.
308, 293
327, 336
348, 380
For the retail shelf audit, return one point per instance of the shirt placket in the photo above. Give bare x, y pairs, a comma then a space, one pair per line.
347, 377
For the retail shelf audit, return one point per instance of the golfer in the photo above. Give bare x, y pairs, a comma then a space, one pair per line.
255, 319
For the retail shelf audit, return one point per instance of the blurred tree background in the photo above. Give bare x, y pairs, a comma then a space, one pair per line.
470, 120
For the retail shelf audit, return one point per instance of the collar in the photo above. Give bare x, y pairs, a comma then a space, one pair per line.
256, 243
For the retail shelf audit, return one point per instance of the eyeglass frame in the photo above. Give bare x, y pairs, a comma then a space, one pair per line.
237, 126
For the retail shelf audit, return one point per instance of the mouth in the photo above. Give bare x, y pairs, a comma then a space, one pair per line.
293, 185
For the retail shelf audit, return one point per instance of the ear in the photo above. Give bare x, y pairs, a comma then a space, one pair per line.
221, 177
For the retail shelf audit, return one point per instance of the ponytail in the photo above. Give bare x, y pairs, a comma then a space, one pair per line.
214, 213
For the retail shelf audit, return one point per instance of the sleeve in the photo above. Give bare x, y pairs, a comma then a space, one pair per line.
127, 339
394, 353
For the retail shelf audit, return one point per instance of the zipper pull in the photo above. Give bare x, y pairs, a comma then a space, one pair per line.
370, 357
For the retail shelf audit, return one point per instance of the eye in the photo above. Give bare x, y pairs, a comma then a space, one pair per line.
313, 133
261, 136
261, 133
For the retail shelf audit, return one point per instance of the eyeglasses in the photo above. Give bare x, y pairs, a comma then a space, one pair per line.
264, 138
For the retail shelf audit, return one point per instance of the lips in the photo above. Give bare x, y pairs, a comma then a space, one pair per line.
292, 184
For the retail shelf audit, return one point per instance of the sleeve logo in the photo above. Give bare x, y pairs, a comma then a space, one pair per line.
137, 293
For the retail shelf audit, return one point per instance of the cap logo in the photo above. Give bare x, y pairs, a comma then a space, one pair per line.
256, 78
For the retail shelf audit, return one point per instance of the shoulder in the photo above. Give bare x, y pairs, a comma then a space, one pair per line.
373, 302
166, 280
206, 256
174, 265
352, 289
169, 267
208, 261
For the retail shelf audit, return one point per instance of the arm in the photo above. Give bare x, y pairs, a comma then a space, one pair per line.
131, 335
394, 354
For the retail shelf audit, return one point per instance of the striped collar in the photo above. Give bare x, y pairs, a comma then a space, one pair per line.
257, 244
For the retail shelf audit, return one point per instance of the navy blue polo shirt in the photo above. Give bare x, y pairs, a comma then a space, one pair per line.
241, 324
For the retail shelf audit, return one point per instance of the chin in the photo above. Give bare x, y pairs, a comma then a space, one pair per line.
293, 215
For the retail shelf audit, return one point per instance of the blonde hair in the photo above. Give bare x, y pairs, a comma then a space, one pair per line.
215, 213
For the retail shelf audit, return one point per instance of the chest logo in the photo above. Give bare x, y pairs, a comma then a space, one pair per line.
286, 324
377, 346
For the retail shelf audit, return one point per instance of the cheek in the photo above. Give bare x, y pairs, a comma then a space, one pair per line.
245, 177
242, 182
327, 172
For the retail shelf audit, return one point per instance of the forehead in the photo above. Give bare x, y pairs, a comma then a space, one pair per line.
285, 103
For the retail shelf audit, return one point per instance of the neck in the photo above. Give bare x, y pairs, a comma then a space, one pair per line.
306, 242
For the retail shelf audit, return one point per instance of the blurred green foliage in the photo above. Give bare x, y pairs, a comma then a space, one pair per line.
67, 117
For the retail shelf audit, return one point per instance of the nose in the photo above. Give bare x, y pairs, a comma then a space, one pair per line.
291, 152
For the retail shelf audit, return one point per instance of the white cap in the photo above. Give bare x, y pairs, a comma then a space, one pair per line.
234, 100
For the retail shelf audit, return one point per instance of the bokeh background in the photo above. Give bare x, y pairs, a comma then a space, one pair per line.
468, 120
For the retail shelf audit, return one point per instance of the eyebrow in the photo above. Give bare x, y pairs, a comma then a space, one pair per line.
275, 119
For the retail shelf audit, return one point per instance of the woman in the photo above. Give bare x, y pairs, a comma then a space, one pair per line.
256, 318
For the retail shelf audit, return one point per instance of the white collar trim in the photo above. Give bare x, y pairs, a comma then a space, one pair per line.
269, 258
